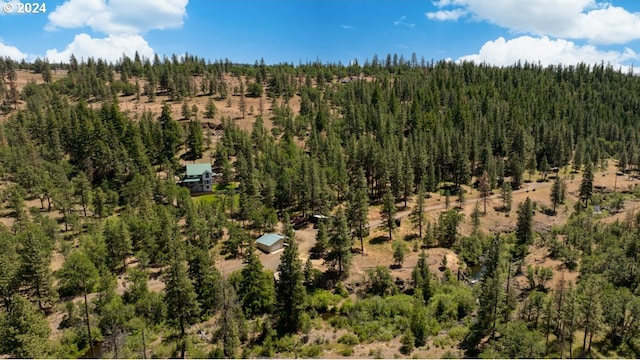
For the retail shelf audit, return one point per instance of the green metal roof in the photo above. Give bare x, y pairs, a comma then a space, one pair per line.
269, 239
197, 169
190, 180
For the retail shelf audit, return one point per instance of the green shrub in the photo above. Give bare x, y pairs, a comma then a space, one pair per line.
348, 339
376, 353
458, 333
311, 351
408, 342
322, 300
339, 322
346, 351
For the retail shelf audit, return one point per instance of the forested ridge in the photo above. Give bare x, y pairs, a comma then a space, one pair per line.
105, 254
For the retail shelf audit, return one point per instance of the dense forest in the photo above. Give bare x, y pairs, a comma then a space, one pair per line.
104, 254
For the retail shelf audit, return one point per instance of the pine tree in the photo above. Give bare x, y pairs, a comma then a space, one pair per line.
83, 191
556, 193
118, 240
206, 280
531, 166
407, 177
339, 252
186, 114
421, 277
290, 290
358, 208
10, 265
229, 321
524, 232
506, 195
322, 239
242, 104
211, 109
417, 214
35, 250
490, 289
256, 289
475, 217
589, 308
79, 273
545, 167
484, 186
388, 213
516, 168
24, 332
183, 308
586, 185
399, 252
195, 140
171, 135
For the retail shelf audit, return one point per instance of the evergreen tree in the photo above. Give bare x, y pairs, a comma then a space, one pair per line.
322, 239
531, 166
557, 195
118, 240
206, 280
418, 320
358, 209
484, 186
83, 191
589, 308
421, 277
256, 289
229, 321
211, 109
186, 114
388, 213
448, 223
490, 290
475, 217
524, 232
407, 177
79, 274
183, 308
545, 167
171, 135
399, 252
242, 105
24, 331
195, 140
417, 214
516, 169
506, 195
35, 250
586, 185
339, 252
290, 291
10, 265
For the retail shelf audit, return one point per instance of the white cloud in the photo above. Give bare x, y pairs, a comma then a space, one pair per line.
110, 48
596, 21
402, 22
444, 15
547, 52
119, 16
11, 52
346, 27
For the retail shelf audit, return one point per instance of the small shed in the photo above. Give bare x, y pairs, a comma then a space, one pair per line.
270, 242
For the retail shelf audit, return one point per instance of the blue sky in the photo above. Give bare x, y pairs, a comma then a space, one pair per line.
498, 32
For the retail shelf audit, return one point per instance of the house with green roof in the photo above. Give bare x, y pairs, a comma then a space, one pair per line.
198, 178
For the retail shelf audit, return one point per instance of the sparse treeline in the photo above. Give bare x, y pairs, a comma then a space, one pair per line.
376, 133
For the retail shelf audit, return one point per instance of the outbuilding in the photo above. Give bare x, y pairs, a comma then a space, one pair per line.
270, 242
